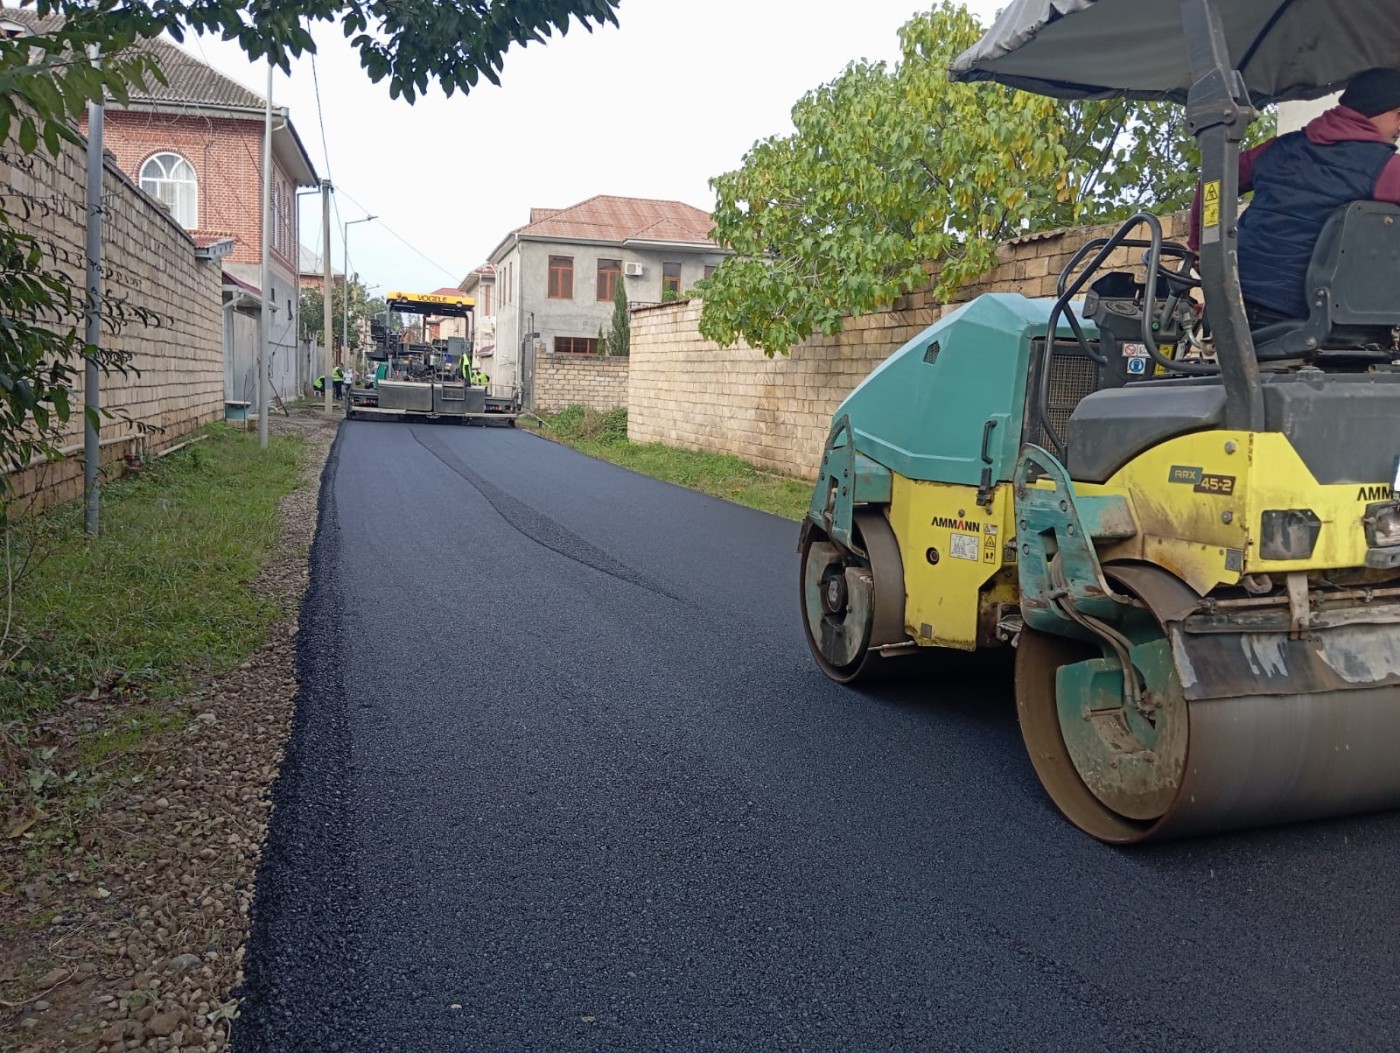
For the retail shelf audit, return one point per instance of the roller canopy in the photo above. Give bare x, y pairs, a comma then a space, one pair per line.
1286, 49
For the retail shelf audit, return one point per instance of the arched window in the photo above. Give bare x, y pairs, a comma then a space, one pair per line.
169, 178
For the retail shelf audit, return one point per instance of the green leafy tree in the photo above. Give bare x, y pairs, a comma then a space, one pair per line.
620, 335
47, 80
311, 314
892, 168
311, 311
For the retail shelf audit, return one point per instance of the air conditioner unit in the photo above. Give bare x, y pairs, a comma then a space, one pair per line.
633, 270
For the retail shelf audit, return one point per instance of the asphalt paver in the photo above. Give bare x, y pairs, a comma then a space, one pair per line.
563, 776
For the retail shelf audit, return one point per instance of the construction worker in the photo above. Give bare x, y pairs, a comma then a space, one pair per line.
318, 385
338, 379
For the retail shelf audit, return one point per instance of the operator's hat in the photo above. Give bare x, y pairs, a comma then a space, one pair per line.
1373, 91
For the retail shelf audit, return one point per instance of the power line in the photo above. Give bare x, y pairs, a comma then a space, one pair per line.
411, 247
321, 117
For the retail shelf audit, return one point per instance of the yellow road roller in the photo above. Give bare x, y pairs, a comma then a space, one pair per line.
1187, 529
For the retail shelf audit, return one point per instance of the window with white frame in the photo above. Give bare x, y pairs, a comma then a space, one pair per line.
170, 179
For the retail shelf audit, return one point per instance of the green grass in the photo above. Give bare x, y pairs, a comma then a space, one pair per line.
162, 595
604, 435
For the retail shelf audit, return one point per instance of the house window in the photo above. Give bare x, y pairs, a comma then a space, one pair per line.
608, 273
709, 270
561, 277
670, 281
575, 345
486, 301
169, 178
285, 215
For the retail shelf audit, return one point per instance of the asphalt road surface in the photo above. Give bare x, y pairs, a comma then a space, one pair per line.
563, 776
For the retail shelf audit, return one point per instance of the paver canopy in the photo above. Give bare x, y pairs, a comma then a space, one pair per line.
1286, 49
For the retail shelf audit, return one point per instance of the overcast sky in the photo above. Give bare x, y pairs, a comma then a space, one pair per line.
651, 108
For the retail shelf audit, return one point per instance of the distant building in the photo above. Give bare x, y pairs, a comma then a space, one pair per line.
442, 328
311, 272
481, 284
554, 277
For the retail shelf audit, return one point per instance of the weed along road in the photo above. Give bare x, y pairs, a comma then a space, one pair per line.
564, 776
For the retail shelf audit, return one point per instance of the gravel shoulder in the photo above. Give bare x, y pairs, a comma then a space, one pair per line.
129, 933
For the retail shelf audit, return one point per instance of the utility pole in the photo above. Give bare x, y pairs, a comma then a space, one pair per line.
92, 322
327, 288
345, 301
265, 334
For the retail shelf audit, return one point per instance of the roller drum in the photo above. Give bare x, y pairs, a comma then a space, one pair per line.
1261, 760
1249, 760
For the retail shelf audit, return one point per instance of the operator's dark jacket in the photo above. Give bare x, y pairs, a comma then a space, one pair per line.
1298, 181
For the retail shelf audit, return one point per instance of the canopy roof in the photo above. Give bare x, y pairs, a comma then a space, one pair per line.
1286, 49
428, 304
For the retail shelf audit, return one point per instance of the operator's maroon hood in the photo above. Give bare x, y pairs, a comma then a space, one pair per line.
1342, 124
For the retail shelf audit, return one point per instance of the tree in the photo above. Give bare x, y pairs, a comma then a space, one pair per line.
620, 335
890, 169
362, 310
46, 82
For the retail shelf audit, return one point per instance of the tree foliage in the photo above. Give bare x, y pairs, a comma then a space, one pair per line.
891, 168
362, 310
410, 43
620, 334
47, 81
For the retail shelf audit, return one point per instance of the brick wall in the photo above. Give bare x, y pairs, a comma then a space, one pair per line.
148, 261
685, 391
226, 154
596, 381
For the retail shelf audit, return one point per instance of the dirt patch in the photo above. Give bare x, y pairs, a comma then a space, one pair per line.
124, 912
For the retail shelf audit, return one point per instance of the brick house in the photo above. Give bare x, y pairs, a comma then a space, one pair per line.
312, 273
195, 144
555, 277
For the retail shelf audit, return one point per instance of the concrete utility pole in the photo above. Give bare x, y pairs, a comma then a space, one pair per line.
92, 322
265, 334
326, 289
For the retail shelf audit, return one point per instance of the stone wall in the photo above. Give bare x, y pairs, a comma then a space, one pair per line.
177, 381
596, 381
685, 391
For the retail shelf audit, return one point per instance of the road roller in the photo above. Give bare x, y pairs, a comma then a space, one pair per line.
1186, 530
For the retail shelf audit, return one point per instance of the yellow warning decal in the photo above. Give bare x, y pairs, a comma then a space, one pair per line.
1210, 202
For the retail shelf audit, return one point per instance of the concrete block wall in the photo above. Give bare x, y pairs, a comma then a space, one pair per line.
176, 383
598, 382
775, 412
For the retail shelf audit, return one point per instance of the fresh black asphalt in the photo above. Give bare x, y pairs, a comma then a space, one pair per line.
563, 776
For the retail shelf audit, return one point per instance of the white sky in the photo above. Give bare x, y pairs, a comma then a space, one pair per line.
652, 108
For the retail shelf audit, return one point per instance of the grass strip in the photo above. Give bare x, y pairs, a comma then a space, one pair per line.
162, 595
604, 435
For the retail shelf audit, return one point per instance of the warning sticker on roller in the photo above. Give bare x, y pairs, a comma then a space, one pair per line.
964, 546
1210, 204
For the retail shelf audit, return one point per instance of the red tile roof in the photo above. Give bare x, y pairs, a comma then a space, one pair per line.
605, 218
190, 81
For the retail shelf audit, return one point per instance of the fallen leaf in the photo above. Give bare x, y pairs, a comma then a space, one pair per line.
21, 825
